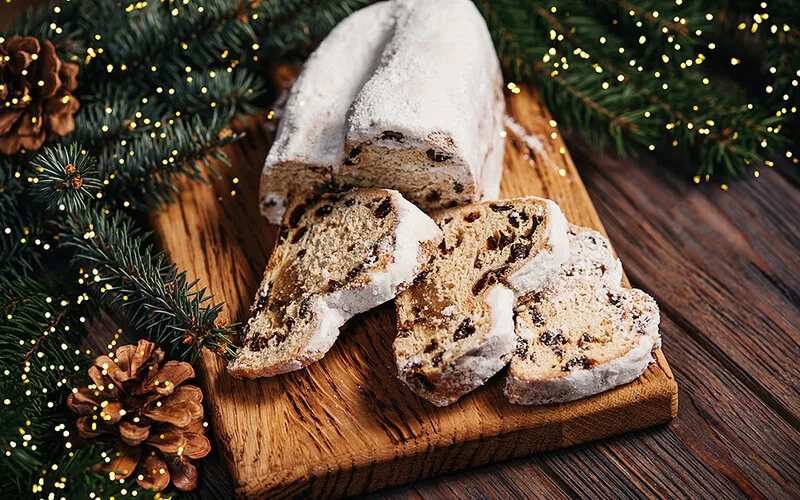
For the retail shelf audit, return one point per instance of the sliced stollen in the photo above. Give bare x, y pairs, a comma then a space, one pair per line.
584, 333
310, 137
455, 322
590, 257
337, 255
428, 121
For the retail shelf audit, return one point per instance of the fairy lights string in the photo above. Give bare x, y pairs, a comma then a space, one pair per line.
649, 62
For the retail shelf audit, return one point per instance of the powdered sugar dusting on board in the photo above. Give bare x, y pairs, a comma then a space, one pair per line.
533, 142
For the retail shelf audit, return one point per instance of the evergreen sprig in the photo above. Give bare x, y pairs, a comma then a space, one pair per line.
40, 361
57, 21
153, 110
633, 71
141, 166
41, 331
770, 37
18, 224
64, 178
160, 35
145, 141
85, 478
36, 327
150, 292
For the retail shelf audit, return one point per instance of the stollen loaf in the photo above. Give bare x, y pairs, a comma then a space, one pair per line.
392, 100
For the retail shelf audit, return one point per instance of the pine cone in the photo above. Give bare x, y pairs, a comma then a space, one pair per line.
36, 101
138, 405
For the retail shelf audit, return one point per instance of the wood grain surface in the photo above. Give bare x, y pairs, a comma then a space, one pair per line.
346, 425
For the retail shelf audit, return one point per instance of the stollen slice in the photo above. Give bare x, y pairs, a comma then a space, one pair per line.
584, 333
429, 120
455, 322
309, 143
337, 255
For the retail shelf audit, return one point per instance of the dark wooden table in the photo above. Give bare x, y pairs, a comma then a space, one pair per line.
725, 268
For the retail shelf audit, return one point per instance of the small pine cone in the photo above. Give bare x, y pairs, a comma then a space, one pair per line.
36, 101
138, 405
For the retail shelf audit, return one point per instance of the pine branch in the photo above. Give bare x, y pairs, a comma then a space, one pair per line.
126, 274
523, 40
144, 287
79, 475
668, 28
677, 108
19, 255
58, 21
147, 127
36, 329
64, 178
771, 34
596, 75
219, 34
161, 157
143, 147
40, 360
157, 34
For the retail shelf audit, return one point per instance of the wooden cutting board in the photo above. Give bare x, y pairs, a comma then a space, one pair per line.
346, 425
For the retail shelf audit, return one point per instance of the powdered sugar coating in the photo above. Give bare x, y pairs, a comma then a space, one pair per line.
429, 80
583, 383
395, 73
492, 173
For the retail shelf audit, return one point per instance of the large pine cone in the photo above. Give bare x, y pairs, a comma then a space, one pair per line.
36, 101
139, 406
